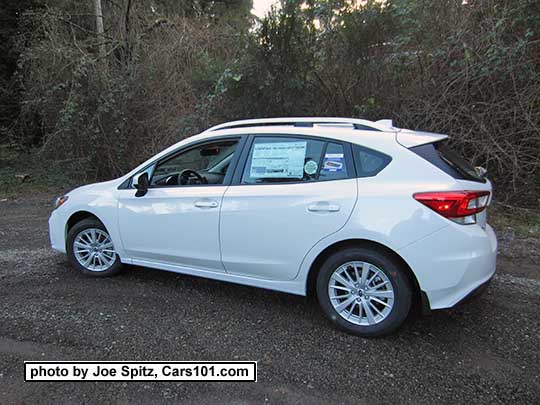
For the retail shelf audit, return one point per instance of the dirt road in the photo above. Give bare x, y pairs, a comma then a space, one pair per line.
486, 351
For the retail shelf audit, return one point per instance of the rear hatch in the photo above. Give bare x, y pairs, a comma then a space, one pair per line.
434, 148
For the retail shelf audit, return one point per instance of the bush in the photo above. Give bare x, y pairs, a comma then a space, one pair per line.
467, 68
109, 112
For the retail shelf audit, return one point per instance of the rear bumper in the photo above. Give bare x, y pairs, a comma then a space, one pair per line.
478, 291
452, 263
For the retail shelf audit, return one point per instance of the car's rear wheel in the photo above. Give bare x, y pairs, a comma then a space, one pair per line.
364, 292
90, 249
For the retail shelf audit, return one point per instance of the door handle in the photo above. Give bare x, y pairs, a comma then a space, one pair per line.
206, 204
323, 206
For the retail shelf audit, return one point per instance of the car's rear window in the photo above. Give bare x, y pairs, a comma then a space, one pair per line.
441, 155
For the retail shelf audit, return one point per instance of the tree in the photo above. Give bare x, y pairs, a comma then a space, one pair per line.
10, 12
99, 25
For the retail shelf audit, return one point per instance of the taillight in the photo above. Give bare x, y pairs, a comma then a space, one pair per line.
459, 206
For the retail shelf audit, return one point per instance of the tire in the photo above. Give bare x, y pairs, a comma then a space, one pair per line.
106, 262
389, 285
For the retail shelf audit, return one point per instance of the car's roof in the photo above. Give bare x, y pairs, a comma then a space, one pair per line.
353, 129
345, 129
331, 132
353, 123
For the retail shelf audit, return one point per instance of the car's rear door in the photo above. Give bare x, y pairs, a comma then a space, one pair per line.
288, 193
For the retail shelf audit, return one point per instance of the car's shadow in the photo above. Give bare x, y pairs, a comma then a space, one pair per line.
255, 303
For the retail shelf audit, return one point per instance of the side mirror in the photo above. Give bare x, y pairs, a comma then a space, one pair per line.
141, 183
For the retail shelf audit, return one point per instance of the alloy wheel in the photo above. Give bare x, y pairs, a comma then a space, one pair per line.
94, 250
361, 293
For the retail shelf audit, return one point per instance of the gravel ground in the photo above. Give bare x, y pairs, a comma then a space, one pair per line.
485, 351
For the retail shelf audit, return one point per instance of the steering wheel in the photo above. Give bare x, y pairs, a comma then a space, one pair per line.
188, 176
172, 180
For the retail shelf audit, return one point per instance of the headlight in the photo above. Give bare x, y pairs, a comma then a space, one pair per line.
60, 200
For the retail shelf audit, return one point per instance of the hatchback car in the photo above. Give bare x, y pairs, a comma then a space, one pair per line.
370, 218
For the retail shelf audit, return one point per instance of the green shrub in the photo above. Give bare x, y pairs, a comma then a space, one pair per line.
467, 68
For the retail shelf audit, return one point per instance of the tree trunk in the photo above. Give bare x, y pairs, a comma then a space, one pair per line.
127, 33
99, 27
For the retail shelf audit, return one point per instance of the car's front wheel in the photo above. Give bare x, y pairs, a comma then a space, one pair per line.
90, 249
364, 292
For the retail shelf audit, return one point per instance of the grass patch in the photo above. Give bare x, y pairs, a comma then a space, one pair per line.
28, 172
524, 222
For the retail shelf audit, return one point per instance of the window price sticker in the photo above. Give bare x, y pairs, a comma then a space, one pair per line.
278, 160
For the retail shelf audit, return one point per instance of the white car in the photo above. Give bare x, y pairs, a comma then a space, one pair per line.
371, 218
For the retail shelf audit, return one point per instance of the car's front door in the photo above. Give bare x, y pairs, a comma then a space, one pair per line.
293, 192
177, 220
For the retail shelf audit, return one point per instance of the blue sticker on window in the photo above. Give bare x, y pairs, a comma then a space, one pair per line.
333, 162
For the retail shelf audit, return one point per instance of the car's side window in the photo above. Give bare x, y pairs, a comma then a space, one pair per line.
203, 164
281, 159
369, 162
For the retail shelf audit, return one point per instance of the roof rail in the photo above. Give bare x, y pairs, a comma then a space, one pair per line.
384, 125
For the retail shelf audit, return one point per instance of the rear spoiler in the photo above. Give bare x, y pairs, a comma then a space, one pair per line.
409, 138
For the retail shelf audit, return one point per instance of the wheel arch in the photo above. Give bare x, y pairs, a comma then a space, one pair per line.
77, 217
419, 297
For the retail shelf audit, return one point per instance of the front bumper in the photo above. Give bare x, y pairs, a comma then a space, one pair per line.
452, 263
57, 232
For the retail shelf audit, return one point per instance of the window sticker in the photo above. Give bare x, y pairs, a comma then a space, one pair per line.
311, 167
333, 162
278, 160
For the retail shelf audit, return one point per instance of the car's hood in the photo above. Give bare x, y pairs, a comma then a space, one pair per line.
95, 187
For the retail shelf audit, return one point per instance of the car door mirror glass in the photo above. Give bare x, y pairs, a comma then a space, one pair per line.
141, 183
